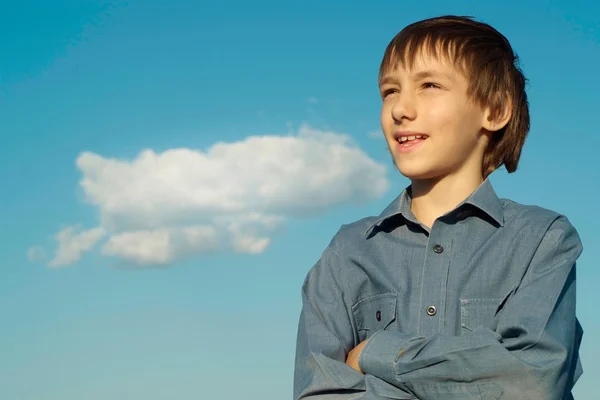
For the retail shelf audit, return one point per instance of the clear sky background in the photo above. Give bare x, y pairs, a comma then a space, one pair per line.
170, 170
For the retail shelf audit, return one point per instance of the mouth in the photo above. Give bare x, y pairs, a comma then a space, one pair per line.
410, 139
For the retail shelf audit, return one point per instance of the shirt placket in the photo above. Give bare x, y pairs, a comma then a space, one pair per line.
432, 304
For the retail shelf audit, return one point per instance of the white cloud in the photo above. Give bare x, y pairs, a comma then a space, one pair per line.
161, 246
73, 243
161, 207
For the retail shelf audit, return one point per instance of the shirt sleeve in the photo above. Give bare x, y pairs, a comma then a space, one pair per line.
532, 353
325, 337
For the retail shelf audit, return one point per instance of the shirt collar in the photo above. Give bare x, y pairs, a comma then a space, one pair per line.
483, 198
399, 206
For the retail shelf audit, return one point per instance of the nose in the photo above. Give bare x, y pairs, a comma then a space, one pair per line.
404, 108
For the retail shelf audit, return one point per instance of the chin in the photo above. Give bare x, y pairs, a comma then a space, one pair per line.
414, 171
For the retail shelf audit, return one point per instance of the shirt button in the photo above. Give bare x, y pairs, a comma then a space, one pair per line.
431, 311
438, 248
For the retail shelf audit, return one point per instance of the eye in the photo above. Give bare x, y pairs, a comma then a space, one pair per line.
431, 85
385, 93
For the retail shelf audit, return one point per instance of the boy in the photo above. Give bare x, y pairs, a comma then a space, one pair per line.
451, 293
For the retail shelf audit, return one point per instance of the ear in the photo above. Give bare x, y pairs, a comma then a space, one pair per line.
496, 118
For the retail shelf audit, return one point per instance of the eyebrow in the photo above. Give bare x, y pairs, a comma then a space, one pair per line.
432, 74
387, 79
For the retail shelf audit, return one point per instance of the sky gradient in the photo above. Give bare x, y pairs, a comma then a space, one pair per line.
172, 169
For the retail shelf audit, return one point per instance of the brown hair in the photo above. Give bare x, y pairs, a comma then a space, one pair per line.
487, 59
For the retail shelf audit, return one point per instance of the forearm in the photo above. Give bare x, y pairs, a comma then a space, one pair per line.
439, 366
531, 353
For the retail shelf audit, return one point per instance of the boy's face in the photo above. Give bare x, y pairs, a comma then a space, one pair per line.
430, 100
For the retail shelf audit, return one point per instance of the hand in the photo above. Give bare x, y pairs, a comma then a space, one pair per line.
352, 359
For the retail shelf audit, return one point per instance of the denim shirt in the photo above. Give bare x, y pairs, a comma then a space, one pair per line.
480, 306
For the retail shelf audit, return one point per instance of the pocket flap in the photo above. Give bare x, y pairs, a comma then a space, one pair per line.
375, 313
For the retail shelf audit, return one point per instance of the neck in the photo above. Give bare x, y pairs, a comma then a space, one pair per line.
432, 198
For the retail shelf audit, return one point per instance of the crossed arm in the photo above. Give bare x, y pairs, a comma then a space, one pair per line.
531, 354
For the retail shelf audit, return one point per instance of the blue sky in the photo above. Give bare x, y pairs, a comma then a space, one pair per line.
95, 97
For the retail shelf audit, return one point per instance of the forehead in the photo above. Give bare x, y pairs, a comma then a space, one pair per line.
413, 59
420, 68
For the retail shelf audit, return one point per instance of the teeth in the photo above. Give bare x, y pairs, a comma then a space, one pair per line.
407, 138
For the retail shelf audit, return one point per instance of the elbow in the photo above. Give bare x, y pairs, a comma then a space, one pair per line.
549, 373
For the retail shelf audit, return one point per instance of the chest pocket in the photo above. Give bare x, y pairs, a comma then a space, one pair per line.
478, 312
481, 312
375, 313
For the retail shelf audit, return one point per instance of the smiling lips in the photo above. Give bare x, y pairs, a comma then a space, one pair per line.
409, 140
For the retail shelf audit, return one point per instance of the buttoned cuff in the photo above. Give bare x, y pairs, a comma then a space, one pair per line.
379, 356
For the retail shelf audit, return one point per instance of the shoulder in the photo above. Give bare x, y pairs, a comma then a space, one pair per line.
545, 238
514, 211
548, 225
352, 235
349, 238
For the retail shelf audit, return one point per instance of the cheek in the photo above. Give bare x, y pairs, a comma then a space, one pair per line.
441, 111
442, 119
450, 120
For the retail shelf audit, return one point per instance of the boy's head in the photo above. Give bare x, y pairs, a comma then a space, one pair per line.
454, 82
